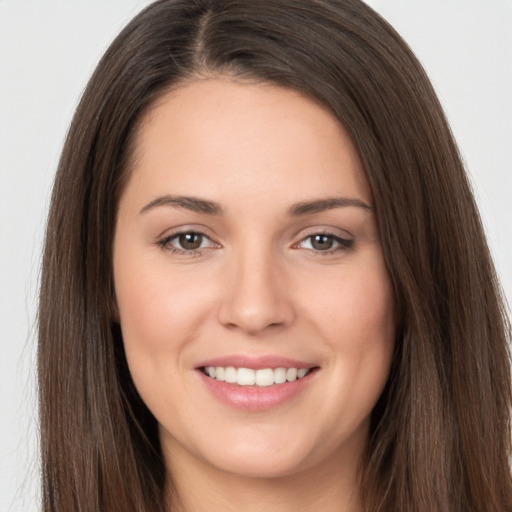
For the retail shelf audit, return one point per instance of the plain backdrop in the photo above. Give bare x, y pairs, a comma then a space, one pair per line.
49, 48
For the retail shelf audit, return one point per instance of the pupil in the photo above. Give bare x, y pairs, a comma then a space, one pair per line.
322, 242
190, 241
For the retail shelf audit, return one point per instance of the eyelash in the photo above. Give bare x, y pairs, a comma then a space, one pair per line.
165, 243
344, 244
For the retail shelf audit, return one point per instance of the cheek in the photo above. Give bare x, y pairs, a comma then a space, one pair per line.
357, 320
356, 308
159, 317
370, 307
159, 312
366, 328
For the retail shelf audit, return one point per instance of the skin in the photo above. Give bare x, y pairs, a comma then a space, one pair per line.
257, 286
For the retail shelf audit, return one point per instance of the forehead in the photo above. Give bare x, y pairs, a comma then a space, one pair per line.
224, 138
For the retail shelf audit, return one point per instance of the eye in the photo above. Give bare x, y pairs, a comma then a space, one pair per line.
186, 242
189, 241
325, 242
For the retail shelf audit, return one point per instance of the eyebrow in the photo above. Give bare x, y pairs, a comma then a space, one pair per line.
199, 205
321, 205
194, 204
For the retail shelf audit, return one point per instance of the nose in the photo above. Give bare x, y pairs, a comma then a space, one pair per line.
255, 297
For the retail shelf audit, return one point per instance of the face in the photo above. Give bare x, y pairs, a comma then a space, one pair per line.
254, 302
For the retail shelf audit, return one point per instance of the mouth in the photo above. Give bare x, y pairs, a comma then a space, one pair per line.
256, 385
263, 377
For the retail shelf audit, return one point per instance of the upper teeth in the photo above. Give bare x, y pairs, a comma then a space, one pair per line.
249, 377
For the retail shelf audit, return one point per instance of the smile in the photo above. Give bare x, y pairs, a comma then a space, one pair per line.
263, 377
256, 384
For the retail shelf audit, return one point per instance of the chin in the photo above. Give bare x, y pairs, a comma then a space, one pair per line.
261, 465
269, 454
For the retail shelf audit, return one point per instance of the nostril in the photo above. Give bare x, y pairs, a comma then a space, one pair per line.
257, 317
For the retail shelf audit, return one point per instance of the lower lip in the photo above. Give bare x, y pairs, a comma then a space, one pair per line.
255, 398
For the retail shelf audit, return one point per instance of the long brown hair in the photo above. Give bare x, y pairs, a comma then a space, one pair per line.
440, 435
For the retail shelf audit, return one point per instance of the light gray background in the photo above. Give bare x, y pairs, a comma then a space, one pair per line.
47, 52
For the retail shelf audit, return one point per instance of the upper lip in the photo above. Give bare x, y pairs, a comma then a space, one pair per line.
255, 362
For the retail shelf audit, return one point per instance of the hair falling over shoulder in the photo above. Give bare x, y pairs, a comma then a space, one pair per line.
440, 434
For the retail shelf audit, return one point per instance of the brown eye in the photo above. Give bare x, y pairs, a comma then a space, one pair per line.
187, 243
325, 243
322, 242
190, 241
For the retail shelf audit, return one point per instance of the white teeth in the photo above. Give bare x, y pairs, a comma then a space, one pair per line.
246, 377
301, 373
265, 377
249, 377
219, 373
280, 375
291, 374
230, 375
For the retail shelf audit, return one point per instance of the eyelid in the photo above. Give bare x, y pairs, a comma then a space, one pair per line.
185, 228
344, 242
164, 241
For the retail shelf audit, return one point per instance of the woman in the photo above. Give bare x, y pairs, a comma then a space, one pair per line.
265, 280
